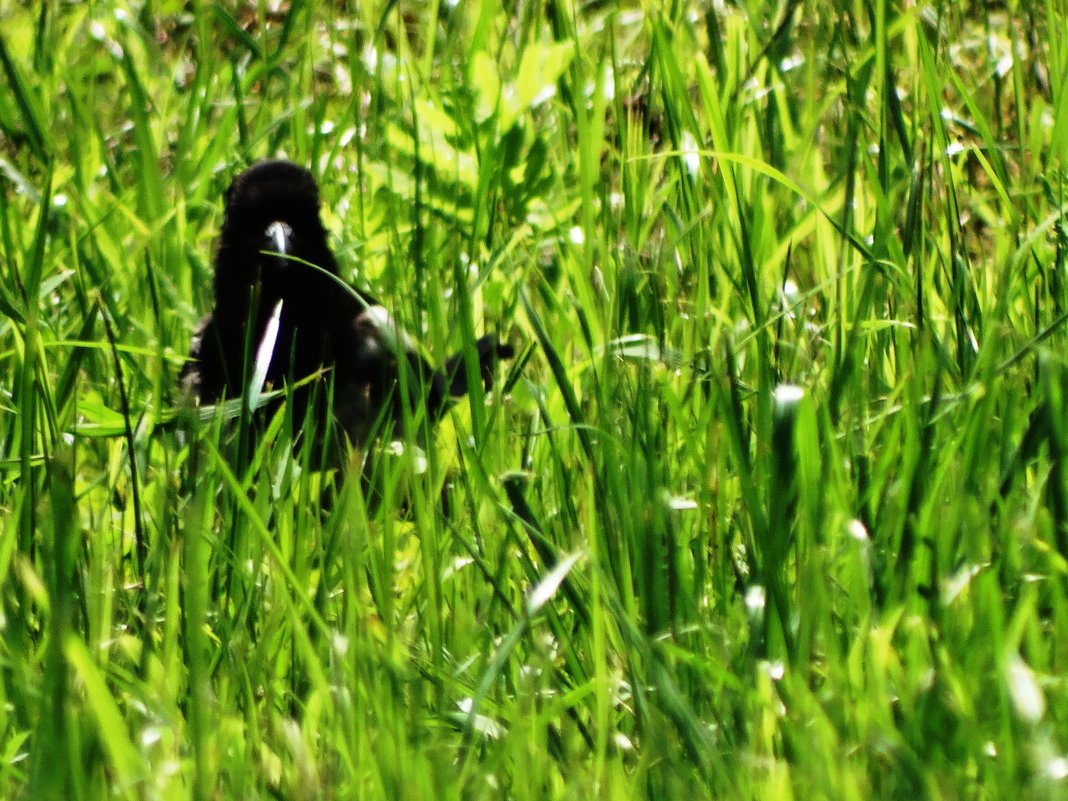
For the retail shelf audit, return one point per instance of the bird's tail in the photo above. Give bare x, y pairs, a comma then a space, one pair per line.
451, 382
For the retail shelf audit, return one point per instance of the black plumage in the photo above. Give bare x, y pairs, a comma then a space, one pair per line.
271, 233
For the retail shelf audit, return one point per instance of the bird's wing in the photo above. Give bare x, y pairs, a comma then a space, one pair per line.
201, 376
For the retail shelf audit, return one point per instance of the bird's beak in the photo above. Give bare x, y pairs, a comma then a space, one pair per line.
278, 236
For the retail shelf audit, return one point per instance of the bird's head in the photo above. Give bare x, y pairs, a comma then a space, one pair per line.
271, 220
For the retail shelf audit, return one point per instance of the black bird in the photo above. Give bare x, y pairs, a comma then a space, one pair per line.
271, 233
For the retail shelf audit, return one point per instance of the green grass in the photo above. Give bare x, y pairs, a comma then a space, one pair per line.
660, 571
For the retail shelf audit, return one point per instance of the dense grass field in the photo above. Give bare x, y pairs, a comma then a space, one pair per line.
771, 504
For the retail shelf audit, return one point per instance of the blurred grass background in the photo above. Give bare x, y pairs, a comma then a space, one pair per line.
773, 505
